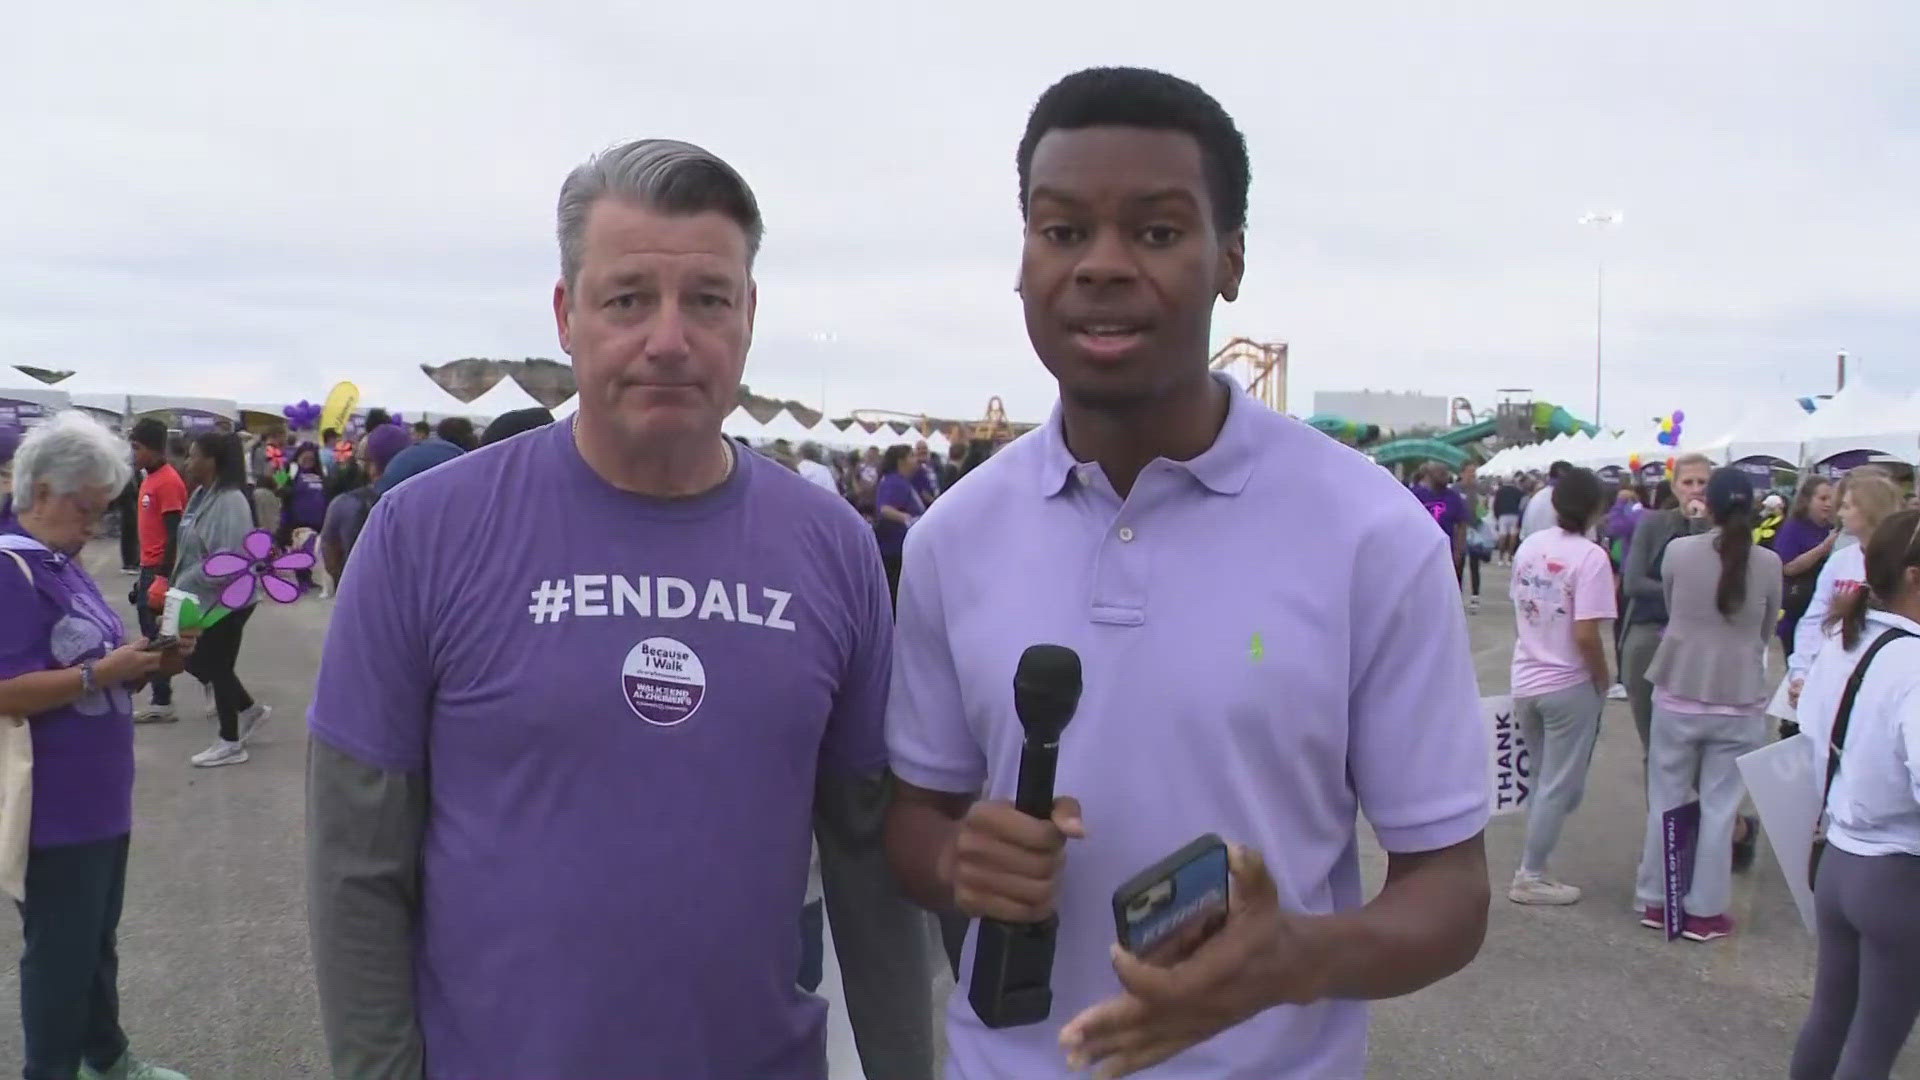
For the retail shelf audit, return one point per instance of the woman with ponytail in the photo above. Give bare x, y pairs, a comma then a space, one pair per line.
1866, 989
1709, 698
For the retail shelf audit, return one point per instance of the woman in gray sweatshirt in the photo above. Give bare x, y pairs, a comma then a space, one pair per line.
1722, 595
218, 518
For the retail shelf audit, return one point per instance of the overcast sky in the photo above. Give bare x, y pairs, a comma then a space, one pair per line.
253, 200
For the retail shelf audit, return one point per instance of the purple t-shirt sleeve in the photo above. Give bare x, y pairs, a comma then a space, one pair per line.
855, 740
24, 632
375, 686
1414, 698
927, 734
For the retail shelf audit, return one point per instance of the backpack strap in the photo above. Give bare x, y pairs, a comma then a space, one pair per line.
1844, 716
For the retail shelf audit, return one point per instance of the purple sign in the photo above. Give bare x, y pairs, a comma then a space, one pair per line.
1760, 470
18, 416
1679, 835
1841, 464
195, 422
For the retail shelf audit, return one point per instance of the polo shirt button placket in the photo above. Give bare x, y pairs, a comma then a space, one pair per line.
1126, 534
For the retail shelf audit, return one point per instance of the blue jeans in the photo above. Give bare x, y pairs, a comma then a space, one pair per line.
70, 969
813, 945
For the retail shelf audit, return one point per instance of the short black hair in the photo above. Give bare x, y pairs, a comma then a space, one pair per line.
150, 433
423, 427
1143, 98
1578, 499
377, 417
458, 430
1559, 469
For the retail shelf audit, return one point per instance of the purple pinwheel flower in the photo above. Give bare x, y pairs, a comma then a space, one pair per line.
255, 565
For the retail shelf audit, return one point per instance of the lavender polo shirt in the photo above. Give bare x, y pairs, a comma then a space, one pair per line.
1272, 642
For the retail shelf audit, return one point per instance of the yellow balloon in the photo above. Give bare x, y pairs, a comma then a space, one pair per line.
339, 408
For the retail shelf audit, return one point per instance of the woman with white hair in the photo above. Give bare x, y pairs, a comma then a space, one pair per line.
67, 668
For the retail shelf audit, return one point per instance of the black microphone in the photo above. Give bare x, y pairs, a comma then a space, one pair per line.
1013, 962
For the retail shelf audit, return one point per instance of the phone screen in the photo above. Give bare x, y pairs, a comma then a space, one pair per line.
161, 644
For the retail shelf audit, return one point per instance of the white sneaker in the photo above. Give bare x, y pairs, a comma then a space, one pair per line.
253, 720
221, 752
1530, 888
1616, 692
1473, 606
156, 714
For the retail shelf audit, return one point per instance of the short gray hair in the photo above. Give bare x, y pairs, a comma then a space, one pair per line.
663, 174
69, 452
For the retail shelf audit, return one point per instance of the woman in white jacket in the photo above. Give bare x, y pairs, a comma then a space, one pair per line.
1866, 502
1866, 990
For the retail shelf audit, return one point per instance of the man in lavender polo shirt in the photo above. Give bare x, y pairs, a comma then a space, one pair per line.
1249, 670
575, 697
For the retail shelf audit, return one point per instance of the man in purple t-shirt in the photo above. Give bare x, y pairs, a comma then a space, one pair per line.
1448, 510
564, 759
1250, 670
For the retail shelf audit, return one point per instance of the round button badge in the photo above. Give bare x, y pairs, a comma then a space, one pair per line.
664, 681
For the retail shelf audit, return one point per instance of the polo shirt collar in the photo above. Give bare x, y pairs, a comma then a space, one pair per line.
1222, 468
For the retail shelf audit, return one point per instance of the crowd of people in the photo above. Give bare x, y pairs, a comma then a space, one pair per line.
592, 697
1702, 574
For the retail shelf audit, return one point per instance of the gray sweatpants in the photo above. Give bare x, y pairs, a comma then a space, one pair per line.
1866, 990
1637, 647
1691, 755
1560, 729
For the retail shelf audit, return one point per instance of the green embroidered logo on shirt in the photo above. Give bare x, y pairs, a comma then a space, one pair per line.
1257, 648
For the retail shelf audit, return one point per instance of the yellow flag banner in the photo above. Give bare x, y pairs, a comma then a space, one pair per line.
341, 402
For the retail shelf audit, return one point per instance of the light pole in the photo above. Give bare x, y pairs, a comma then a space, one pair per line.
1602, 222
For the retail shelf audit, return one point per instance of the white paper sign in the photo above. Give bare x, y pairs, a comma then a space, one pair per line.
1512, 759
1786, 791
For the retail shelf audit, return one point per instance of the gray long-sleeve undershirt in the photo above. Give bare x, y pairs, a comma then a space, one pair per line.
364, 833
363, 890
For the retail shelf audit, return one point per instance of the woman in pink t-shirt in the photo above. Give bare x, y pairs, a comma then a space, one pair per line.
1563, 596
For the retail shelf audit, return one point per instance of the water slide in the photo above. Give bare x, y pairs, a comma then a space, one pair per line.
1449, 447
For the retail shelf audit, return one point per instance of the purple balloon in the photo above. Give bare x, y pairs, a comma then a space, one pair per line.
1679, 416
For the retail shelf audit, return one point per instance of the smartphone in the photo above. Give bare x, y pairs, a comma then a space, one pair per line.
1168, 908
161, 643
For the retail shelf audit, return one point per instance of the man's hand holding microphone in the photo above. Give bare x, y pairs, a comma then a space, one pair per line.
1004, 864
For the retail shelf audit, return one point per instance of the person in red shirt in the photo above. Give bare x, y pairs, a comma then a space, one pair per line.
163, 498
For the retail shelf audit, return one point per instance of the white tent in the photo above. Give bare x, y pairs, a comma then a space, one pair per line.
190, 413
567, 408
937, 443
504, 397
1770, 428
1861, 418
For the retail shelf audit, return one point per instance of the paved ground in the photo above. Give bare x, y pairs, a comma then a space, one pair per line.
215, 977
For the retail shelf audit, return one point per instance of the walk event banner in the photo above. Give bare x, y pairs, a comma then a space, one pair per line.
1512, 760
1679, 835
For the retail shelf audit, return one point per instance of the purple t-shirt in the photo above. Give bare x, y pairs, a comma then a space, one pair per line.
1268, 705
896, 491
1796, 537
621, 704
82, 753
1446, 507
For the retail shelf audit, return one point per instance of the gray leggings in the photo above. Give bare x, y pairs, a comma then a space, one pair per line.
1866, 991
